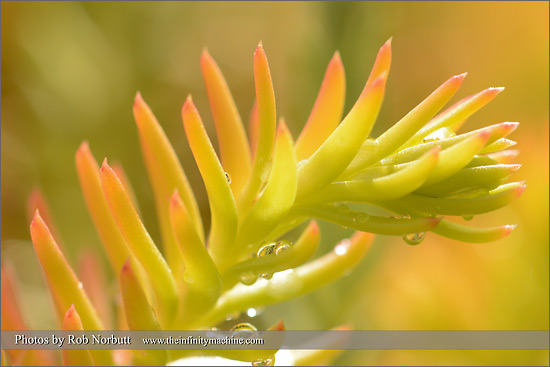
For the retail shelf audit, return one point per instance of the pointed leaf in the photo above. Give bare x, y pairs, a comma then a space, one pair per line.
453, 159
342, 145
37, 200
495, 132
454, 117
201, 272
488, 177
507, 156
235, 153
75, 357
140, 242
113, 242
327, 111
382, 64
500, 144
493, 200
343, 216
464, 233
278, 195
64, 285
222, 203
168, 168
265, 99
387, 187
405, 128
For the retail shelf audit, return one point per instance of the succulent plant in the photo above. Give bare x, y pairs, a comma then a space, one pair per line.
418, 172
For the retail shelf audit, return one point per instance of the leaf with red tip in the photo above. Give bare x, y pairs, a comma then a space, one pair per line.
37, 201
113, 242
405, 128
507, 156
381, 67
201, 273
384, 187
139, 314
327, 110
294, 256
454, 117
464, 233
495, 132
488, 177
235, 153
167, 168
265, 99
75, 357
500, 144
64, 284
277, 197
453, 159
140, 242
222, 202
461, 204
293, 283
331, 159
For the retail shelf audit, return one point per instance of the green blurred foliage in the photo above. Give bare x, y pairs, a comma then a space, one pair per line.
70, 71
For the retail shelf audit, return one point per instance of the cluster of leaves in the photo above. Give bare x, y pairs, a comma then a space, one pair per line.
262, 187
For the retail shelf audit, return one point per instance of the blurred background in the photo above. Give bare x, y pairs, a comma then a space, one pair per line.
70, 71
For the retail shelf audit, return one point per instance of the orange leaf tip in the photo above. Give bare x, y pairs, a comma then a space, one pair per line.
508, 229
520, 189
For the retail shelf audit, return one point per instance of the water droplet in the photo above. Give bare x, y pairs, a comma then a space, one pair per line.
361, 218
251, 312
413, 238
243, 330
342, 248
467, 217
228, 177
267, 249
269, 361
214, 329
248, 278
267, 276
80, 285
281, 246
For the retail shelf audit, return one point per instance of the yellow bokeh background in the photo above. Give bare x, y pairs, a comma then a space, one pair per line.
70, 71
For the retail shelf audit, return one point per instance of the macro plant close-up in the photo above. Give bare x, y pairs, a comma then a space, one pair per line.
240, 224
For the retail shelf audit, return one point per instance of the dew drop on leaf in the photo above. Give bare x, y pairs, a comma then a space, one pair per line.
467, 217
244, 330
267, 249
248, 278
413, 238
228, 177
